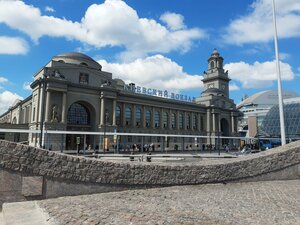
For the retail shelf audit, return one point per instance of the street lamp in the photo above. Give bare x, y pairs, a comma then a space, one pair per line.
43, 90
104, 133
280, 101
257, 131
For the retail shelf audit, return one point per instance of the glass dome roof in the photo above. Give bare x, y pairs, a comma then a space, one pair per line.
271, 123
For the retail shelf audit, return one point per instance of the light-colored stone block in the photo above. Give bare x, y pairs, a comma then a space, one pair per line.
32, 186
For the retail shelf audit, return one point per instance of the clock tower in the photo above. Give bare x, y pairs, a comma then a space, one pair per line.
215, 79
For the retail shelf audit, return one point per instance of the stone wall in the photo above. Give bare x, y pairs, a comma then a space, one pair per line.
51, 174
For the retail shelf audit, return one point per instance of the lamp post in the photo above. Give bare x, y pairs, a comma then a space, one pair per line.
219, 147
104, 133
257, 131
43, 90
281, 115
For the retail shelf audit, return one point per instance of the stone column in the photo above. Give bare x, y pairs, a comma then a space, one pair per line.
40, 105
102, 111
192, 121
114, 112
47, 110
177, 119
63, 108
161, 118
184, 121
214, 121
208, 120
170, 120
219, 119
232, 123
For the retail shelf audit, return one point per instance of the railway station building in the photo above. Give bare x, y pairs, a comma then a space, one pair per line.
72, 93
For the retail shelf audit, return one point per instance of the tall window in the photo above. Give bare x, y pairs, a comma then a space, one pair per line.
195, 122
148, 118
180, 121
14, 121
128, 116
138, 117
33, 114
83, 78
173, 120
212, 64
188, 121
201, 123
166, 120
78, 115
118, 115
157, 119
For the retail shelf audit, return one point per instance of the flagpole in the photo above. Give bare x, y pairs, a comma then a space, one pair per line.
280, 101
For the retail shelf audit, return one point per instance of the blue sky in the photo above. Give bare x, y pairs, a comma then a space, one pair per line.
154, 43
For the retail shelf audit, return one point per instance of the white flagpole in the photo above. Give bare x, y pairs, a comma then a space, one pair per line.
281, 115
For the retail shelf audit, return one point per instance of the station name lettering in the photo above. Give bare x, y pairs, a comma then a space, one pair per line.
158, 93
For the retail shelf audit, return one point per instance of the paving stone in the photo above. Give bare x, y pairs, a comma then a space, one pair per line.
273, 202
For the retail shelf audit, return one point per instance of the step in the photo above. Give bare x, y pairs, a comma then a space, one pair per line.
24, 213
1, 218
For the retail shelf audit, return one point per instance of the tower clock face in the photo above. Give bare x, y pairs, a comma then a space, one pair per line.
223, 87
210, 85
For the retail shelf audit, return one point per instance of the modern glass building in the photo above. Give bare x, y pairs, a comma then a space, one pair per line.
271, 124
256, 107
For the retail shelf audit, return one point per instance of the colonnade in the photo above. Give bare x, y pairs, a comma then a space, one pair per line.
197, 121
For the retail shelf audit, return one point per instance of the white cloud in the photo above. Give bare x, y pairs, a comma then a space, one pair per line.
257, 26
3, 80
7, 98
13, 45
49, 9
258, 75
284, 56
174, 21
112, 23
233, 87
155, 72
26, 86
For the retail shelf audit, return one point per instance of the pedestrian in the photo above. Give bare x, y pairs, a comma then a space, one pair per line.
131, 156
226, 148
148, 158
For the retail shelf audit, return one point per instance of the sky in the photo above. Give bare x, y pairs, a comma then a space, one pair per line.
162, 44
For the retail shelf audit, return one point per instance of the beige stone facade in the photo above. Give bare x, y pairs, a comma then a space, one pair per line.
72, 93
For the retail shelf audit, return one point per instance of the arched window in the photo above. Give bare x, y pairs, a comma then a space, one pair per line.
128, 116
84, 64
148, 118
180, 121
173, 120
138, 117
188, 121
212, 64
157, 119
201, 123
195, 122
78, 115
118, 115
14, 121
166, 120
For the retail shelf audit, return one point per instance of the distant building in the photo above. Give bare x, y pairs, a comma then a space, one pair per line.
270, 126
72, 93
255, 108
